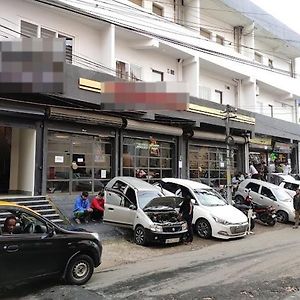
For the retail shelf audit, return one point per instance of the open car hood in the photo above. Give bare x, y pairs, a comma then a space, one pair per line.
169, 202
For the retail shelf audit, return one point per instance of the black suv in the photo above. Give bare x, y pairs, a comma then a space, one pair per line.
35, 247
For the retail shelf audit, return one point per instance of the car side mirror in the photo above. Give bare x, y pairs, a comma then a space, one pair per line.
132, 206
194, 202
50, 234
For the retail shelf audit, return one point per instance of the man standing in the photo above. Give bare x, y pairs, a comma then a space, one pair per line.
82, 210
296, 202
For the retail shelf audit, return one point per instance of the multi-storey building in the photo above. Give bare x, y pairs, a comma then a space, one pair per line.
226, 51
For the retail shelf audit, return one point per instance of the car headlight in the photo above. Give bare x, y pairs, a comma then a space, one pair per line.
221, 221
184, 226
95, 235
156, 228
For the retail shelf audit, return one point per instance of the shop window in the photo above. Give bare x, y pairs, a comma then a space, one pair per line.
78, 163
208, 164
147, 159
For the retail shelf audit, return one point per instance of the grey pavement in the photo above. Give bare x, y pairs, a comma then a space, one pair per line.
65, 204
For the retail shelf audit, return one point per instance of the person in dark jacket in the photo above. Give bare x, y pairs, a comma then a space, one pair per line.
296, 203
98, 207
186, 211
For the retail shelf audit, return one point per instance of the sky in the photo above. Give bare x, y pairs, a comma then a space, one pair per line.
287, 11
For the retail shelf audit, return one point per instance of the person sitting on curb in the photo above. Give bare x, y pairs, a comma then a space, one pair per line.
98, 207
82, 209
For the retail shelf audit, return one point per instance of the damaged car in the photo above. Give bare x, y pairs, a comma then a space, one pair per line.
136, 204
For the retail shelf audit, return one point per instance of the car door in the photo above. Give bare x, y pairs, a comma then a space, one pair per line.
118, 209
255, 188
26, 255
267, 197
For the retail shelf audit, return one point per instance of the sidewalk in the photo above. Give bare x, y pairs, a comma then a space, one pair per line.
65, 205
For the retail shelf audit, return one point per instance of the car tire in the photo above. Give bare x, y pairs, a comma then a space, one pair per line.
239, 199
140, 236
80, 269
282, 216
203, 228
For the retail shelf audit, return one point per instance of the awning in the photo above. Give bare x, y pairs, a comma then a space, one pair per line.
218, 137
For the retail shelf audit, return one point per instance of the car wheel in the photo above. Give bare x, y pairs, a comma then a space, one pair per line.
203, 228
239, 199
140, 236
282, 216
80, 270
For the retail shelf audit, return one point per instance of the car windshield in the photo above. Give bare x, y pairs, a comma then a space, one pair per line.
144, 197
209, 198
282, 195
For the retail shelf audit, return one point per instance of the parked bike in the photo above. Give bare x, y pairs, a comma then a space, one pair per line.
265, 214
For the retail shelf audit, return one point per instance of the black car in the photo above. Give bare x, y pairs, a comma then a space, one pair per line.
36, 247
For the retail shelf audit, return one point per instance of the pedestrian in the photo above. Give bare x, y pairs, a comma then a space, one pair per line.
97, 205
252, 171
82, 210
186, 212
296, 203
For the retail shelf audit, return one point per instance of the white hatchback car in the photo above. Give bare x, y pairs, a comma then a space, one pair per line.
212, 215
290, 186
266, 193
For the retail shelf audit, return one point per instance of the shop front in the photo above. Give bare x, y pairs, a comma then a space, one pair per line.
207, 159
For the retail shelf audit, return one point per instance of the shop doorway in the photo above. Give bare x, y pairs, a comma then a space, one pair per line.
17, 160
5, 153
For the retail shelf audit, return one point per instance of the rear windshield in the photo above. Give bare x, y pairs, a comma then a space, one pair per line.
281, 195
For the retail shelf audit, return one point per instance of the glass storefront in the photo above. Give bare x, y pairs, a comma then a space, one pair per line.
147, 159
208, 164
78, 162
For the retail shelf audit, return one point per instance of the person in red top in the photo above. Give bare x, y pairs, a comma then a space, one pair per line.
98, 206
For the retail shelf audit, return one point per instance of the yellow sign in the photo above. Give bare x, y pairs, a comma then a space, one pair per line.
90, 85
261, 141
213, 112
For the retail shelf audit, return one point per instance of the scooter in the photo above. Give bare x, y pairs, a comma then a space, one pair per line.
265, 214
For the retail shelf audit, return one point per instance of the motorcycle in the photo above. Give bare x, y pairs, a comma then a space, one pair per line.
245, 209
265, 214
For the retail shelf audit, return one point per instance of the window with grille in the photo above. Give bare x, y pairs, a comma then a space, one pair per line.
69, 47
135, 73
258, 57
29, 29
137, 2
122, 69
219, 40
205, 33
157, 9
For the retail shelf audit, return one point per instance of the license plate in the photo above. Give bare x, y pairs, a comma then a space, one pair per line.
170, 241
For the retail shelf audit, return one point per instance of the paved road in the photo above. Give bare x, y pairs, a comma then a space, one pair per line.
264, 266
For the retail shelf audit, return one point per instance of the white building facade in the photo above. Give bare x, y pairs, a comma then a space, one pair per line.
226, 51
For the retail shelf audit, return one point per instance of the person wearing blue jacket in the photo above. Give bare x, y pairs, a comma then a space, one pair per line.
82, 209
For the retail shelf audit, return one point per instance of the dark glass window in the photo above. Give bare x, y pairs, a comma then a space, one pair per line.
267, 193
253, 186
77, 163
